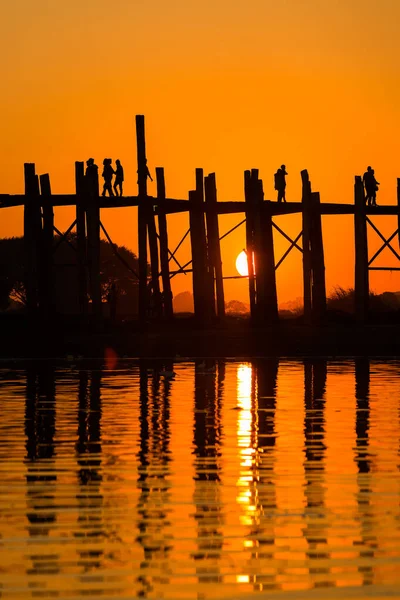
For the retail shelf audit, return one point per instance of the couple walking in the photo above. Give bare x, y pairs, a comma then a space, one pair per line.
108, 173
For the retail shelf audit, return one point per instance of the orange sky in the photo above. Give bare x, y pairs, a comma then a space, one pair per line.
225, 86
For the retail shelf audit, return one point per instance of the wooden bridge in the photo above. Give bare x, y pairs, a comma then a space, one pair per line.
155, 296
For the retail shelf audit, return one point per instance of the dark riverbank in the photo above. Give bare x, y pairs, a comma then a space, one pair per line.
235, 337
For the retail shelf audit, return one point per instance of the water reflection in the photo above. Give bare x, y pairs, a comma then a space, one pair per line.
207, 439
250, 476
315, 373
90, 526
41, 473
153, 471
367, 541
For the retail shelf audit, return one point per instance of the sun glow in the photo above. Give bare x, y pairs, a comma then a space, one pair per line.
241, 264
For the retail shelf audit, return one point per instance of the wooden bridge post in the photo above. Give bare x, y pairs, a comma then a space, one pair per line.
32, 235
317, 261
46, 279
214, 247
142, 221
256, 196
306, 215
271, 314
154, 262
208, 289
197, 242
162, 228
81, 237
361, 287
249, 209
398, 206
93, 242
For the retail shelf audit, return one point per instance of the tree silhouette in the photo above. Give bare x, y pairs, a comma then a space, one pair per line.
117, 265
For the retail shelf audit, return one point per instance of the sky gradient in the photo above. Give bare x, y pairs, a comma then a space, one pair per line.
225, 86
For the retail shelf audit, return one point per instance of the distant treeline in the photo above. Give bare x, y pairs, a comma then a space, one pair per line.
114, 269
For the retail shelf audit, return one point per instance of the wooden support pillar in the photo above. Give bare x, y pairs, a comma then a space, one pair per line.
317, 261
163, 232
32, 236
81, 237
361, 286
306, 215
142, 213
214, 248
199, 253
398, 206
46, 279
256, 199
249, 206
208, 291
93, 240
154, 262
270, 297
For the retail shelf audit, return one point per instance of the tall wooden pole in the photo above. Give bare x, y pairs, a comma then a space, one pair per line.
268, 261
398, 206
256, 200
32, 234
249, 241
93, 241
142, 212
163, 232
214, 247
198, 263
81, 237
46, 288
154, 262
206, 270
317, 261
306, 214
361, 287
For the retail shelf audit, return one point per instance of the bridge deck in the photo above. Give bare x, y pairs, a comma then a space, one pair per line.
173, 205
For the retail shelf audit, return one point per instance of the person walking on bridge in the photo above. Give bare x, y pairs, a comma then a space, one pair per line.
280, 183
108, 173
119, 178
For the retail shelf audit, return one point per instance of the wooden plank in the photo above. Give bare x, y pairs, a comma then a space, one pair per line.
250, 242
306, 217
318, 292
81, 237
93, 242
142, 213
163, 232
32, 233
46, 278
214, 246
361, 285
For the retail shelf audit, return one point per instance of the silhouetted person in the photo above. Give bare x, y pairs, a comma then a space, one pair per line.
375, 188
108, 173
119, 178
92, 176
280, 183
371, 186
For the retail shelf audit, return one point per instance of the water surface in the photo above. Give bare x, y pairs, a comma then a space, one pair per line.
263, 479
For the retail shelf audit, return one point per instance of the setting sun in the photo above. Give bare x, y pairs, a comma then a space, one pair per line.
241, 264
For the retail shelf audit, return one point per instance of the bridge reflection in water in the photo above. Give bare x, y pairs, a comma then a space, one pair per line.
225, 479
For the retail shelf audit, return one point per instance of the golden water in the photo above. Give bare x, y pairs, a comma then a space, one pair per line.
263, 479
